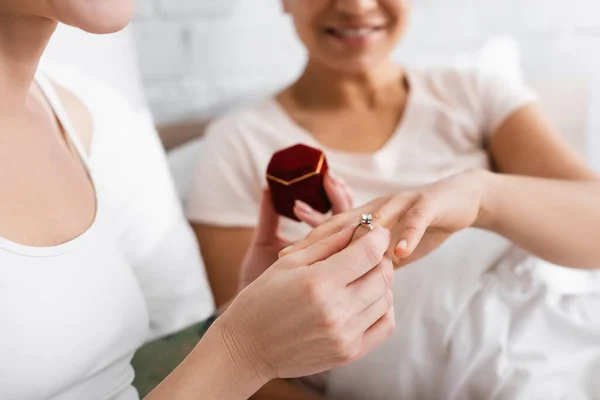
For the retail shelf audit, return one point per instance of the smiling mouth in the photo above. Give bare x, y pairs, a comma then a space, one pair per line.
353, 33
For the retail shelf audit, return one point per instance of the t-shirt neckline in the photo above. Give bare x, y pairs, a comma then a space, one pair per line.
284, 117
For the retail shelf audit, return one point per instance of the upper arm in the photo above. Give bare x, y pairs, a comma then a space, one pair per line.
519, 137
223, 250
527, 144
227, 185
223, 204
177, 134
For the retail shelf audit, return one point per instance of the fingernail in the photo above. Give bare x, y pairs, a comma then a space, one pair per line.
303, 206
403, 245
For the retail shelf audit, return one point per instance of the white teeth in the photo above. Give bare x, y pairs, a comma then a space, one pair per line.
354, 33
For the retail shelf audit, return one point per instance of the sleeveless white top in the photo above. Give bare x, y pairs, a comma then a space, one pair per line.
72, 316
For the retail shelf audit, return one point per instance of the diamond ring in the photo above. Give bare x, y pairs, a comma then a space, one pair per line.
367, 220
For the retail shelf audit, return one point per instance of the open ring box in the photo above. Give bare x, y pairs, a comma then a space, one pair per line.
298, 173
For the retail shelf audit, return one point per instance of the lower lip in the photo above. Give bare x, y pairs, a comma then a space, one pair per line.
358, 40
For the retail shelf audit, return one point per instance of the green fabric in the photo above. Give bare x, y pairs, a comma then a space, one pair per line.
155, 361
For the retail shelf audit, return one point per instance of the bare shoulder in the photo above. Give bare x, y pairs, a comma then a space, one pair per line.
78, 114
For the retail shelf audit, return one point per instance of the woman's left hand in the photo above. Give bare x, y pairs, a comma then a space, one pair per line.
339, 194
419, 219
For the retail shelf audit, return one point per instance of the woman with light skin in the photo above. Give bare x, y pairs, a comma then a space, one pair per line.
73, 310
427, 153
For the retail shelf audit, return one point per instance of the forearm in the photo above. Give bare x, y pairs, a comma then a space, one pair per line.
558, 221
210, 372
223, 250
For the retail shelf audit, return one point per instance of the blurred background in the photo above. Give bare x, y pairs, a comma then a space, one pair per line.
198, 55
199, 58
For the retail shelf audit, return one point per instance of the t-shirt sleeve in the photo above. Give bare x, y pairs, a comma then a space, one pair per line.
498, 97
226, 187
136, 190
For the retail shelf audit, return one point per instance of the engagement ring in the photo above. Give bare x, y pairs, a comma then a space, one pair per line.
367, 219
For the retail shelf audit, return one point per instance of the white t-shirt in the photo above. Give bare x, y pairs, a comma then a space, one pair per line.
477, 318
73, 315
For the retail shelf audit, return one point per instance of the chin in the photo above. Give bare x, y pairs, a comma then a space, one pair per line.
95, 16
360, 66
111, 25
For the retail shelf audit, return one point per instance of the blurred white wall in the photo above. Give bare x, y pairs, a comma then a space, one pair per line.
201, 56
196, 54
110, 58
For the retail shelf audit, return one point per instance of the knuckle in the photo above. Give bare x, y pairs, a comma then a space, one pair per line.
293, 260
313, 291
316, 220
389, 267
331, 320
417, 212
312, 236
425, 199
389, 298
426, 206
337, 220
346, 350
390, 329
391, 326
387, 275
406, 197
319, 233
373, 252
410, 229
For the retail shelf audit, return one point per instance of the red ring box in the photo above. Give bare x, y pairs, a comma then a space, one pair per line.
297, 173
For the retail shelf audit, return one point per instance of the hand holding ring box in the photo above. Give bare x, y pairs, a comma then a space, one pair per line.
297, 173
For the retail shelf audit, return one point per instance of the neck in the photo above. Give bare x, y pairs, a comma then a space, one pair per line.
22, 43
326, 86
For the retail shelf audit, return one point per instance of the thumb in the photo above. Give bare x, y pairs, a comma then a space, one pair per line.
268, 221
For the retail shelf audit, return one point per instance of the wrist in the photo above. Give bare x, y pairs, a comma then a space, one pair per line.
226, 373
212, 371
239, 357
486, 183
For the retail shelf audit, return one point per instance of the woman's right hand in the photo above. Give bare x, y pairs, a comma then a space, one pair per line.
322, 307
339, 194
